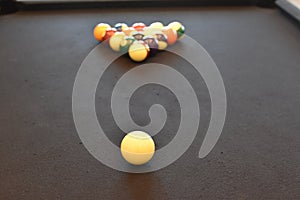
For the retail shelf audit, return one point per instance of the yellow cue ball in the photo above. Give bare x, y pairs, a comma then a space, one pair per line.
137, 148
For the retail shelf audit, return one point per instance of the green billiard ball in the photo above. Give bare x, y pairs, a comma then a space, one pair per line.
138, 35
180, 32
178, 27
125, 44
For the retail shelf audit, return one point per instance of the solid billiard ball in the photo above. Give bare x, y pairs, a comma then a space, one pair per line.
128, 31
139, 26
150, 31
178, 27
126, 43
180, 32
137, 148
115, 41
108, 33
138, 35
152, 43
120, 26
138, 51
171, 35
162, 40
156, 25
99, 31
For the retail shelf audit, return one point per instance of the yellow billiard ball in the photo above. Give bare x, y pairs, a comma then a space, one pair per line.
178, 27
115, 41
138, 51
156, 25
137, 147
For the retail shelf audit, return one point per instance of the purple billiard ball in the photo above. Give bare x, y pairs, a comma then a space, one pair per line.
152, 43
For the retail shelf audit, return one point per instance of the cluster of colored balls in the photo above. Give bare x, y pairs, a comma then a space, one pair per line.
139, 40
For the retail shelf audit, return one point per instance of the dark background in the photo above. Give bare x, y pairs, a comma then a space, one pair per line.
257, 156
9, 6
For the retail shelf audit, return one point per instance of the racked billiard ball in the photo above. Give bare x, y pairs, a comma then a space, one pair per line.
162, 40
171, 35
157, 25
108, 34
120, 26
128, 31
139, 26
138, 51
178, 27
152, 43
138, 35
125, 43
115, 41
99, 31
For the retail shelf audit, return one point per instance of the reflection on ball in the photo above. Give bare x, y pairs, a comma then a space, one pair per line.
137, 148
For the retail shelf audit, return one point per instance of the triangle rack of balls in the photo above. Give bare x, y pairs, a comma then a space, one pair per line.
139, 40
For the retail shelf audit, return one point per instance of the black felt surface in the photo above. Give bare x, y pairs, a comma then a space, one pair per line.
257, 156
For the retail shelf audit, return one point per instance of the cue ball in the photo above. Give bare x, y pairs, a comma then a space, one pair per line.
137, 147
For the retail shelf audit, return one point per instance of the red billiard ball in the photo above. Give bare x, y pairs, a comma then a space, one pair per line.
171, 35
139, 26
109, 32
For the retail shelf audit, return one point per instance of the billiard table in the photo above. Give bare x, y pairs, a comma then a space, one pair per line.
257, 52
